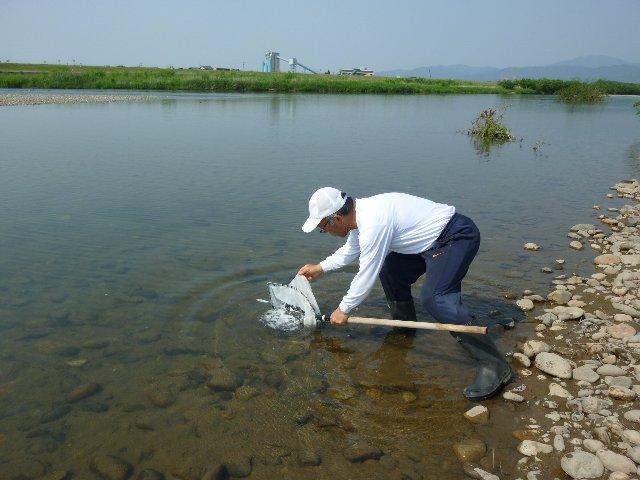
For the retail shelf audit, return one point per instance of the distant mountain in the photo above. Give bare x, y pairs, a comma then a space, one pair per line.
592, 67
592, 61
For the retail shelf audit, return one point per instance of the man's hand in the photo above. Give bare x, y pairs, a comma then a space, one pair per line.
338, 317
311, 271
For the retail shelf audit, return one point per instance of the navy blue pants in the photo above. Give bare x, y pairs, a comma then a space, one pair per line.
445, 264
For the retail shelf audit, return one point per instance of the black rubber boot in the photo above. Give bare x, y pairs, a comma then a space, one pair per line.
493, 371
402, 310
398, 336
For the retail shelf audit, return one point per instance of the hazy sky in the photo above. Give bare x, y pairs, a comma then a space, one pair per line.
322, 34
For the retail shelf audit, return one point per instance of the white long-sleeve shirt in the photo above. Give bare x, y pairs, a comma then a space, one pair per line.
389, 222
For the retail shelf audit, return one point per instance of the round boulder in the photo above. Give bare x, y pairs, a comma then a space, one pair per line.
554, 364
582, 465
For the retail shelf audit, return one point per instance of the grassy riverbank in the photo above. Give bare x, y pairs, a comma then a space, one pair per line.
14, 75
66, 77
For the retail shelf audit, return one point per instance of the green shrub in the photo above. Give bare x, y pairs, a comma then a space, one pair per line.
488, 126
637, 105
579, 92
487, 130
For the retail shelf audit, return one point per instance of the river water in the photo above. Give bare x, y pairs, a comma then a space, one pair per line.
136, 238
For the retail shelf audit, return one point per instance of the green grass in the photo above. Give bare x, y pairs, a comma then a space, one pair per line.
66, 77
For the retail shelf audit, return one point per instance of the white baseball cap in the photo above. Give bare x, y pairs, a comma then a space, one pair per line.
324, 202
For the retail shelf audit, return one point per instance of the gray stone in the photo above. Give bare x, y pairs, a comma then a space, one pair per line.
585, 373
621, 330
625, 382
582, 465
523, 359
576, 245
525, 304
553, 364
610, 370
634, 454
532, 347
592, 445
531, 448
561, 297
568, 313
631, 436
616, 462
621, 393
513, 397
632, 416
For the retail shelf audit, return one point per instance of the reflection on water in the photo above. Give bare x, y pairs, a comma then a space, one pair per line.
134, 240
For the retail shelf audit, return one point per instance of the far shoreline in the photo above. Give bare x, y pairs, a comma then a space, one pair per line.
146, 79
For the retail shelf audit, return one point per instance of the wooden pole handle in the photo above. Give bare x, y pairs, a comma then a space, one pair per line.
420, 325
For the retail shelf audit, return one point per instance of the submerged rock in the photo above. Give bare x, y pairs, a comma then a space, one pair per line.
361, 451
83, 391
163, 397
478, 414
309, 458
470, 450
240, 467
149, 474
110, 467
223, 379
55, 413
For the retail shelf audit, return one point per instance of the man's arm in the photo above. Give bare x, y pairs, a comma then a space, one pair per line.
374, 246
345, 255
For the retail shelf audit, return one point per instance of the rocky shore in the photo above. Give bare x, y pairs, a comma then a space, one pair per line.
13, 99
579, 377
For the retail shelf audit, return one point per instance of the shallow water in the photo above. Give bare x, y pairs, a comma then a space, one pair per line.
135, 238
